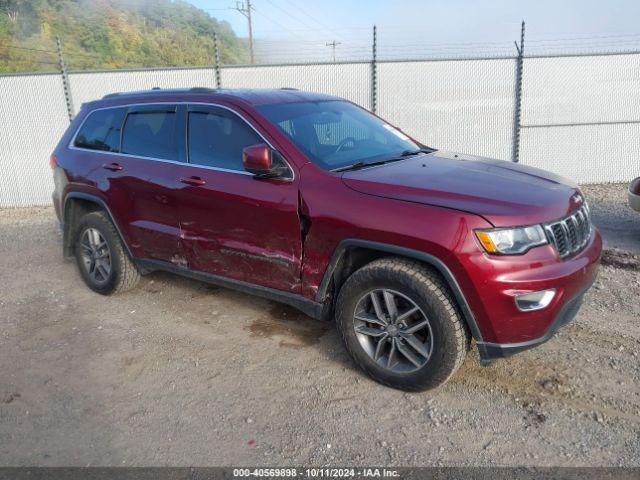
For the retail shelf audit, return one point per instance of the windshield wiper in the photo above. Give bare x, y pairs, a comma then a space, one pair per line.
359, 165
402, 156
409, 153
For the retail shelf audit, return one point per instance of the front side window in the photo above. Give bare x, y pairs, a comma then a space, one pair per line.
101, 130
217, 138
334, 133
150, 134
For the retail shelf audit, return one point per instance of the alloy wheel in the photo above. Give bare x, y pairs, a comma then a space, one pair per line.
393, 330
96, 255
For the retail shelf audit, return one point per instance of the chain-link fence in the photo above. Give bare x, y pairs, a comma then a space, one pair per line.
579, 113
581, 116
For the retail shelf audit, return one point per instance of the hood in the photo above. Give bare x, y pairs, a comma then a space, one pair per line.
504, 193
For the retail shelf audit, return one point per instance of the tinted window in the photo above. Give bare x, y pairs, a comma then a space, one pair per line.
334, 134
101, 130
343, 130
150, 134
217, 139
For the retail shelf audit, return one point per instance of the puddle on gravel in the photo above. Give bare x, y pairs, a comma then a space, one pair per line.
293, 328
533, 383
520, 377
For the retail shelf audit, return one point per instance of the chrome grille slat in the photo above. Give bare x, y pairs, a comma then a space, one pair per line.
585, 225
570, 234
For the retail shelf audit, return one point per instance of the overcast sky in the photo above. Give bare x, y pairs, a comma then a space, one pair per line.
445, 19
469, 25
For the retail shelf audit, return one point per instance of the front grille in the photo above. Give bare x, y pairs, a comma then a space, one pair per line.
570, 234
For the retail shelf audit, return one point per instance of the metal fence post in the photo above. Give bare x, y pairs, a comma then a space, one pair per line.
515, 153
216, 67
65, 80
374, 73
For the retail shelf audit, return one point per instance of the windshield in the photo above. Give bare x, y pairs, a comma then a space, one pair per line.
335, 134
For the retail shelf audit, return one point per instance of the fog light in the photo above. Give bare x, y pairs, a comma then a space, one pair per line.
535, 301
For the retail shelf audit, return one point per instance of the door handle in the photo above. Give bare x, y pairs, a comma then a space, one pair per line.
194, 181
114, 167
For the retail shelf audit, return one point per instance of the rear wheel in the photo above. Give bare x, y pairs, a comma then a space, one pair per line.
103, 262
400, 324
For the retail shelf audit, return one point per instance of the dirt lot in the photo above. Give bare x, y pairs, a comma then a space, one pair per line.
619, 225
182, 373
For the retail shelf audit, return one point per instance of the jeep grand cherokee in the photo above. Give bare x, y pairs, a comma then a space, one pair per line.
310, 200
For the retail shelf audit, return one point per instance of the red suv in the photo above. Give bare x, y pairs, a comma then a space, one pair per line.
310, 200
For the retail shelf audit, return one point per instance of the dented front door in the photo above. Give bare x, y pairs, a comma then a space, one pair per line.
241, 228
231, 223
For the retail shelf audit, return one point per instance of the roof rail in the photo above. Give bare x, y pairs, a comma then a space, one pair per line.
156, 90
203, 90
288, 88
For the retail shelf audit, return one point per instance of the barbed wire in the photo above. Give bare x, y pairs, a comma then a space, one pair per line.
352, 48
55, 52
26, 60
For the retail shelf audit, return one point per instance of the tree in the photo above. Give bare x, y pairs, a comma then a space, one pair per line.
109, 34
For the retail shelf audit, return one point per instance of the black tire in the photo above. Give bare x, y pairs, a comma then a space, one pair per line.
427, 290
123, 273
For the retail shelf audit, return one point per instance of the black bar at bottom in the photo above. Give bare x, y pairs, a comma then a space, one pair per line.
211, 473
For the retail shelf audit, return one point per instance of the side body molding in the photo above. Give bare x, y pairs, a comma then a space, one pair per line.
435, 262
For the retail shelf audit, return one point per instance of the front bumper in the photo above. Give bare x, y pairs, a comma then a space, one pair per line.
495, 282
491, 351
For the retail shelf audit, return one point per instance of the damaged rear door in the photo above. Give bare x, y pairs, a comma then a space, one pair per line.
231, 223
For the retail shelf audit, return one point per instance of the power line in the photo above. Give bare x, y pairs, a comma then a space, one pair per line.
323, 25
216, 9
274, 21
297, 19
315, 41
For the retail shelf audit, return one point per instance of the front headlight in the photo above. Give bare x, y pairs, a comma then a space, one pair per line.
511, 241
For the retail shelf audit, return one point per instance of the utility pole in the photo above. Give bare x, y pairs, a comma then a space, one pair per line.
334, 44
245, 9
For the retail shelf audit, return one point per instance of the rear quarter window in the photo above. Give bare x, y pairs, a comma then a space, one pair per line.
101, 130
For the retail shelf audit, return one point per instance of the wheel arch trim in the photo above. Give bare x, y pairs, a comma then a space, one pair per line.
98, 201
427, 258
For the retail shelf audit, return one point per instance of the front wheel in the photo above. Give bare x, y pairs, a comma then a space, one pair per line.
400, 324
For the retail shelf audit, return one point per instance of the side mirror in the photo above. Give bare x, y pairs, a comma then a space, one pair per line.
263, 162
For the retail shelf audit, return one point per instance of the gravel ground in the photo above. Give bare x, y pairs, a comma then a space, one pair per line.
181, 373
619, 225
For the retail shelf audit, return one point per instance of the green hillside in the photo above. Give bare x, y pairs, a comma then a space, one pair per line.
109, 34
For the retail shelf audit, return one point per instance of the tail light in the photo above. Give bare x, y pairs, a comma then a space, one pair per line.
53, 161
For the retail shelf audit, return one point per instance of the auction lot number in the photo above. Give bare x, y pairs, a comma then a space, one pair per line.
315, 472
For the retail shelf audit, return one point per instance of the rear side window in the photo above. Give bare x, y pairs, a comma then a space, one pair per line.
150, 134
101, 130
216, 139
